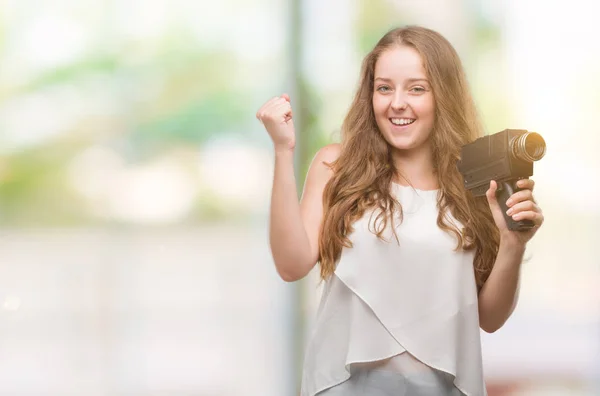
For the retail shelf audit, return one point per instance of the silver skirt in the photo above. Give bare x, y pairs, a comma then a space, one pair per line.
375, 382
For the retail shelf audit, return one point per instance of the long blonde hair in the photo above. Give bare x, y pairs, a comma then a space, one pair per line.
364, 170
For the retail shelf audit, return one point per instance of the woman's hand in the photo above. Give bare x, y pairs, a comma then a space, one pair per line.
521, 206
276, 116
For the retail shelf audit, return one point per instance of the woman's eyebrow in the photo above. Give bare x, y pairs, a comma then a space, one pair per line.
409, 80
417, 80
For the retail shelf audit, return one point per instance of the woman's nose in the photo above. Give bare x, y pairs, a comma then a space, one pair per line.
398, 103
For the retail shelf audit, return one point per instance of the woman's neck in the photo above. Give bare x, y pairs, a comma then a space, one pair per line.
416, 168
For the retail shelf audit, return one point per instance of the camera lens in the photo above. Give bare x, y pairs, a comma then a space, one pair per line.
530, 146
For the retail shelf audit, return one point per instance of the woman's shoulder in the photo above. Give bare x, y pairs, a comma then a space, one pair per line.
329, 153
324, 158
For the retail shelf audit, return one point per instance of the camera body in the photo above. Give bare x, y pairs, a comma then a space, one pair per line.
505, 157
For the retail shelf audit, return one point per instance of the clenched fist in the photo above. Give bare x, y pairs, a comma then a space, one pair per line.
276, 116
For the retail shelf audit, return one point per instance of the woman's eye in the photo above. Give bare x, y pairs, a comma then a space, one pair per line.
383, 88
418, 89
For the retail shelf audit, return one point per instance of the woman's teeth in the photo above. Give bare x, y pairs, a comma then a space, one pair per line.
402, 121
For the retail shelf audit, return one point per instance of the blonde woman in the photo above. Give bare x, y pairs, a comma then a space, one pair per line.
413, 264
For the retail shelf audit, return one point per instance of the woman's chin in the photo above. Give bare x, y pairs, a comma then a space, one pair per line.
407, 144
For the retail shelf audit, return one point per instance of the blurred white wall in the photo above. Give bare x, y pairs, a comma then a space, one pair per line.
141, 312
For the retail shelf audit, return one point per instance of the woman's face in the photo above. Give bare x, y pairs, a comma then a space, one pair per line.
403, 101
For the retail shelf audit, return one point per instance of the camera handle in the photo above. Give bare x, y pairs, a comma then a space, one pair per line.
505, 190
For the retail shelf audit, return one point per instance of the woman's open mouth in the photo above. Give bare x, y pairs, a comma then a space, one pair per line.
402, 122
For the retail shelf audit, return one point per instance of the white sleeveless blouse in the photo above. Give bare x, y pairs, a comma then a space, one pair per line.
388, 298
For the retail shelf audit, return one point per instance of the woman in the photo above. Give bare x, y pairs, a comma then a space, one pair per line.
413, 264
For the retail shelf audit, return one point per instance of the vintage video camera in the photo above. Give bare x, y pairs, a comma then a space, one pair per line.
506, 157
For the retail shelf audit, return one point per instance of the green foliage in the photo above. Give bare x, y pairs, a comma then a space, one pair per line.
195, 122
175, 95
34, 190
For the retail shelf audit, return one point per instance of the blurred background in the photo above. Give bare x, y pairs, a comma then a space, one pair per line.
135, 185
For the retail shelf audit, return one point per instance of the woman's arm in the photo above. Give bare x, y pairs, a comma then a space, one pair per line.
294, 226
499, 295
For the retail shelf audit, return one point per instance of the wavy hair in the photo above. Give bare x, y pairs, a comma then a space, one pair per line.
364, 170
